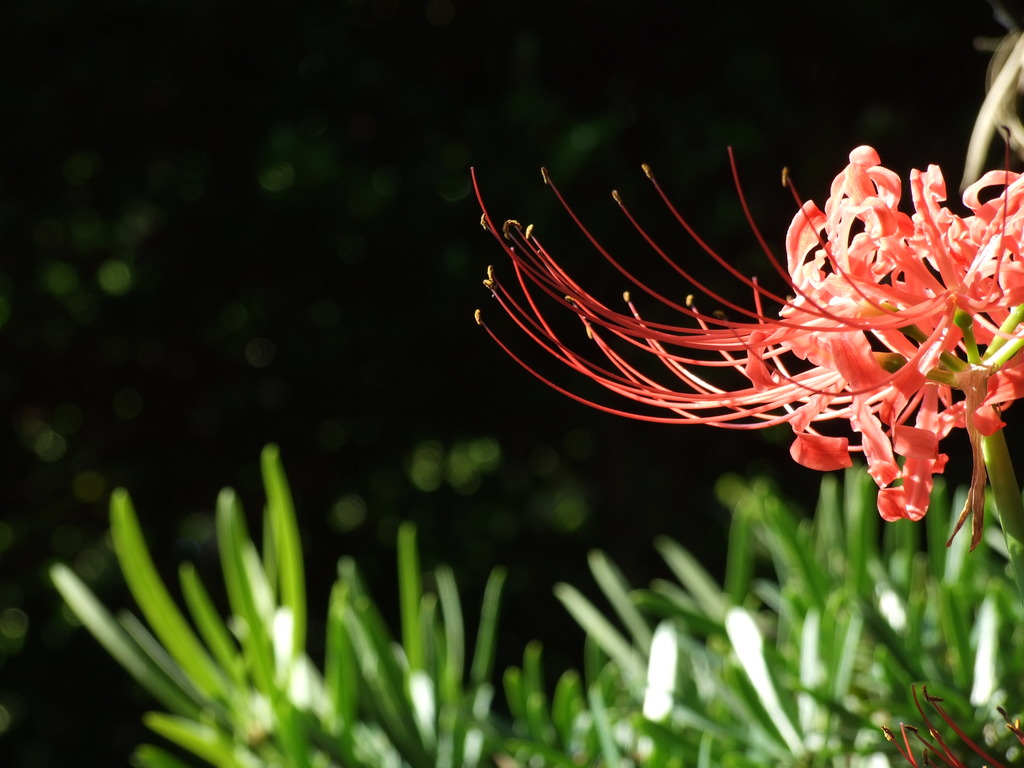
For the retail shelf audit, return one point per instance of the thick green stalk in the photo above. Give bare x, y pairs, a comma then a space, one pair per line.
1009, 507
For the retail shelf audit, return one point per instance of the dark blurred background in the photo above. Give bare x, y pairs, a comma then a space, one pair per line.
224, 224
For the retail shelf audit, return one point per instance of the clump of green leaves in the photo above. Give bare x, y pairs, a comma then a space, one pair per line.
802, 665
797, 658
244, 693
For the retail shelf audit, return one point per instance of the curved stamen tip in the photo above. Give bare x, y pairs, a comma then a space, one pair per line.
647, 171
616, 196
689, 300
478, 318
506, 228
544, 175
625, 296
528, 232
483, 221
489, 281
889, 735
785, 176
928, 697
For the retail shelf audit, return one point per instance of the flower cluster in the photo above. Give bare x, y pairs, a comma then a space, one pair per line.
896, 328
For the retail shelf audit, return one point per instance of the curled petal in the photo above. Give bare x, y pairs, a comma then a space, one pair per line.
821, 452
892, 504
865, 155
972, 195
915, 443
987, 420
918, 478
882, 464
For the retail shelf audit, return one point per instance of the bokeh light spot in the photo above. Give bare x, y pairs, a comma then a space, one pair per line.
425, 465
259, 352
234, 316
48, 445
453, 188
88, 486
277, 177
127, 403
543, 461
87, 231
571, 512
114, 277
347, 513
13, 623
60, 278
90, 564
332, 434
385, 180
81, 167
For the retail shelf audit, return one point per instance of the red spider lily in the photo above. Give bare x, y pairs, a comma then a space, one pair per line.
936, 751
903, 325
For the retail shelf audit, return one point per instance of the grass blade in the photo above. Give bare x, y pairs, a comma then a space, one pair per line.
288, 546
155, 601
617, 590
486, 637
601, 630
410, 592
119, 644
749, 648
238, 568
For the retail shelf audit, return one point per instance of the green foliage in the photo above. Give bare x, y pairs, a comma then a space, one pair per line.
244, 693
807, 648
802, 667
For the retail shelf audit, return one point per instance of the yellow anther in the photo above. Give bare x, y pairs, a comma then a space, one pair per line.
689, 300
616, 196
476, 316
529, 231
506, 228
544, 175
625, 296
785, 176
489, 282
483, 221
647, 170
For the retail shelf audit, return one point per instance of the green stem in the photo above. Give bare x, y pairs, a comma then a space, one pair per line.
948, 359
965, 322
998, 356
1008, 504
1015, 318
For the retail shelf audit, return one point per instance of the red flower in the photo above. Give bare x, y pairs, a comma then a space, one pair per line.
903, 325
